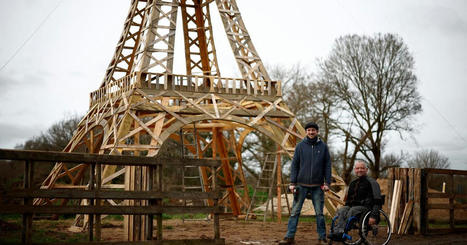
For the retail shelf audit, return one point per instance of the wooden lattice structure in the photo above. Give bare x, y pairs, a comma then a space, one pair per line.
141, 104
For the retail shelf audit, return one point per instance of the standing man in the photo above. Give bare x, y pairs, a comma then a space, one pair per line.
363, 194
310, 174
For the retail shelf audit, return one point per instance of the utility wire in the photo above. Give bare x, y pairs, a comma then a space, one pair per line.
445, 119
30, 36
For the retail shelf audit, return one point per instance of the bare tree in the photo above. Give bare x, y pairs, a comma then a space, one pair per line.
289, 76
392, 160
308, 97
55, 138
324, 107
429, 159
374, 79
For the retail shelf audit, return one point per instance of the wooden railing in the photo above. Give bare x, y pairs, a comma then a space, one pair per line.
188, 83
153, 196
113, 89
210, 84
417, 192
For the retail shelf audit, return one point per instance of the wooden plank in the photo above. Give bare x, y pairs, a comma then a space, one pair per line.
404, 179
395, 203
196, 111
451, 202
200, 93
264, 112
334, 198
98, 202
444, 171
446, 206
390, 189
403, 174
216, 110
330, 207
446, 195
131, 210
405, 217
54, 156
423, 202
26, 232
108, 194
416, 207
411, 184
162, 107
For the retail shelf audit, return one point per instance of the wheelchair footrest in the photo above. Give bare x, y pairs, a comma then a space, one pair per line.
346, 236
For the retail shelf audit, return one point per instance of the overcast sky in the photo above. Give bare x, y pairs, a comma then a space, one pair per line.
63, 57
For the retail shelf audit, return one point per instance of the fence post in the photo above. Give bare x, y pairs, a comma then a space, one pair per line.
150, 217
390, 187
451, 201
159, 202
215, 205
26, 233
423, 202
91, 201
98, 201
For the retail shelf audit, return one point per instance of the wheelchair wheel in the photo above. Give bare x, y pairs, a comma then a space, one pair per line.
378, 234
354, 233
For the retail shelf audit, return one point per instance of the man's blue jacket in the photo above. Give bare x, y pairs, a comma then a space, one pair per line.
311, 164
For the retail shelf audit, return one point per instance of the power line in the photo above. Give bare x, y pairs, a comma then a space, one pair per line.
447, 121
30, 36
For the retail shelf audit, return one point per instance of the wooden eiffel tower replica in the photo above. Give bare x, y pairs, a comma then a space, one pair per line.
141, 103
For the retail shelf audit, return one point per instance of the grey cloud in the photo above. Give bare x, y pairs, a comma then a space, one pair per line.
445, 20
14, 134
16, 80
6, 83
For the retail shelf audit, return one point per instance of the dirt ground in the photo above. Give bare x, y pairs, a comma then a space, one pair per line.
234, 232
257, 232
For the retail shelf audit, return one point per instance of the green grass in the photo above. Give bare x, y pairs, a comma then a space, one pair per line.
185, 216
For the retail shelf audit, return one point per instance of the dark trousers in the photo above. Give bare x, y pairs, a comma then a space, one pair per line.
344, 213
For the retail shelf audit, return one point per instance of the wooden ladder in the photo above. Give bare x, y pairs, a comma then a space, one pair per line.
263, 192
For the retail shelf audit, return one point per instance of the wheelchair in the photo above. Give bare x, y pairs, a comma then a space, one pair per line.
358, 231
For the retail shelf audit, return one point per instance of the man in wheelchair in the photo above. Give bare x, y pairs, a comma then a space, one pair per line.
363, 195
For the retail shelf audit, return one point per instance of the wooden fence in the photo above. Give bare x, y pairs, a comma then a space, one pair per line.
153, 197
415, 193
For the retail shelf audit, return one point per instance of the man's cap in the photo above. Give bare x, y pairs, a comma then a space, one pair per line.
311, 125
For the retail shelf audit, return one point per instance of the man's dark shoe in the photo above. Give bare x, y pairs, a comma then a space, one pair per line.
323, 240
287, 240
337, 236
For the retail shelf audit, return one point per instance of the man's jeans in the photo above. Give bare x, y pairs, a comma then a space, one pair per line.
317, 196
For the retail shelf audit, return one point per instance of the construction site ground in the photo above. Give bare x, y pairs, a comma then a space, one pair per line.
233, 231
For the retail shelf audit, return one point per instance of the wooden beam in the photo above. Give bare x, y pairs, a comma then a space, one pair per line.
54, 156
130, 210
108, 194
395, 204
405, 217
